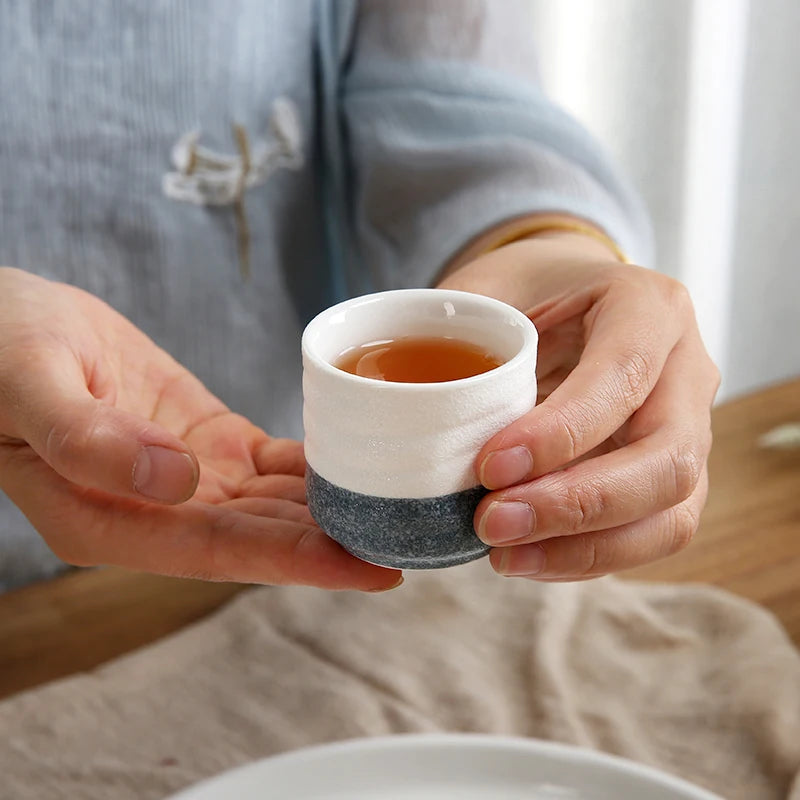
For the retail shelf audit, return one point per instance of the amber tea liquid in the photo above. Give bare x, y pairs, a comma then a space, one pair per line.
417, 359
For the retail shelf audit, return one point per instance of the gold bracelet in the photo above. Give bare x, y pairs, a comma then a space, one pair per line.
528, 228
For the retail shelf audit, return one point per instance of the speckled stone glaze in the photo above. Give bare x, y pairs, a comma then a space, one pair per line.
418, 533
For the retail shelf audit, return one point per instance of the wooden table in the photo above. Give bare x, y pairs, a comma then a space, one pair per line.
749, 543
749, 537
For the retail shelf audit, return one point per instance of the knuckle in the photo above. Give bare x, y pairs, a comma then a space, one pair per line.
685, 521
706, 445
685, 467
671, 292
568, 433
585, 508
715, 376
623, 276
303, 550
634, 374
677, 294
588, 560
709, 373
705, 439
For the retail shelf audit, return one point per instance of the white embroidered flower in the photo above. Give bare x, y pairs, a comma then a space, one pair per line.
209, 178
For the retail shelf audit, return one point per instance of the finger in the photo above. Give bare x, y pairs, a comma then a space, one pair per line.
284, 456
590, 555
272, 507
86, 527
621, 362
656, 472
558, 353
689, 385
90, 442
287, 487
279, 464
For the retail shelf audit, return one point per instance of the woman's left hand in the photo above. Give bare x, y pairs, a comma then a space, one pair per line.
608, 471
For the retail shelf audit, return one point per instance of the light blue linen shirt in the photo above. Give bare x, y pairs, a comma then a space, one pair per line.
383, 135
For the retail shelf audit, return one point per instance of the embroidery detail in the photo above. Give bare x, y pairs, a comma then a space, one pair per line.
209, 178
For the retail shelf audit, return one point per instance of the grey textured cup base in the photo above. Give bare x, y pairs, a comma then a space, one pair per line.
404, 533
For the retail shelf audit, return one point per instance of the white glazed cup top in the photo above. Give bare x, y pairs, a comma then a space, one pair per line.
412, 440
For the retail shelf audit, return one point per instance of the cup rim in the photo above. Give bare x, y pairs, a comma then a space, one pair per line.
529, 332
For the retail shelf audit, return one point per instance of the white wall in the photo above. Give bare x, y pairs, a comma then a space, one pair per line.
699, 101
765, 329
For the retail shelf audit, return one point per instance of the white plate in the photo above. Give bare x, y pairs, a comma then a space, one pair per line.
444, 767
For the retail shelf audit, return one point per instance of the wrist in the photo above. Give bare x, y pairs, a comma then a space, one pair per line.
583, 236
583, 244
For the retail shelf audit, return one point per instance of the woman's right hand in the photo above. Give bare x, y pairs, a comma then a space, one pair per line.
119, 455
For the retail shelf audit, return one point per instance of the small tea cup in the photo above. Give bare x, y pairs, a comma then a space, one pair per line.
391, 466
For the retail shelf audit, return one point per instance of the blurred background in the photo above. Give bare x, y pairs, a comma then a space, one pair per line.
699, 101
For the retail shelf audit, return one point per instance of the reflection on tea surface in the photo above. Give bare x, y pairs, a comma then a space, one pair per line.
417, 359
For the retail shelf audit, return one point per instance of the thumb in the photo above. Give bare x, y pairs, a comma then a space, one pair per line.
96, 445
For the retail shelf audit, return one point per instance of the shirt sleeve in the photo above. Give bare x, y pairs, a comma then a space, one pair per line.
446, 133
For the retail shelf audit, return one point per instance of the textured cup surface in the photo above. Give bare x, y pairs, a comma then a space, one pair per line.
391, 465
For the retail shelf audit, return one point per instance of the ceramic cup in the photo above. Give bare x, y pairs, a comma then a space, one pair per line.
391, 473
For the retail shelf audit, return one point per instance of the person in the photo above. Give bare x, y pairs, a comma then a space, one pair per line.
183, 184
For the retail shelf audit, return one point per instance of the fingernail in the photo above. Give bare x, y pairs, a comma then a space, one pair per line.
400, 582
526, 560
506, 521
506, 467
164, 475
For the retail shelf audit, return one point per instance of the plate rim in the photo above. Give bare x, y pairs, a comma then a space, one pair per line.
544, 747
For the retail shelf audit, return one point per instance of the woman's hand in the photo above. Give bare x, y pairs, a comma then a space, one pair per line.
608, 471
104, 439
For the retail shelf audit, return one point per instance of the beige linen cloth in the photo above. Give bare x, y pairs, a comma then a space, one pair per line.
688, 679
